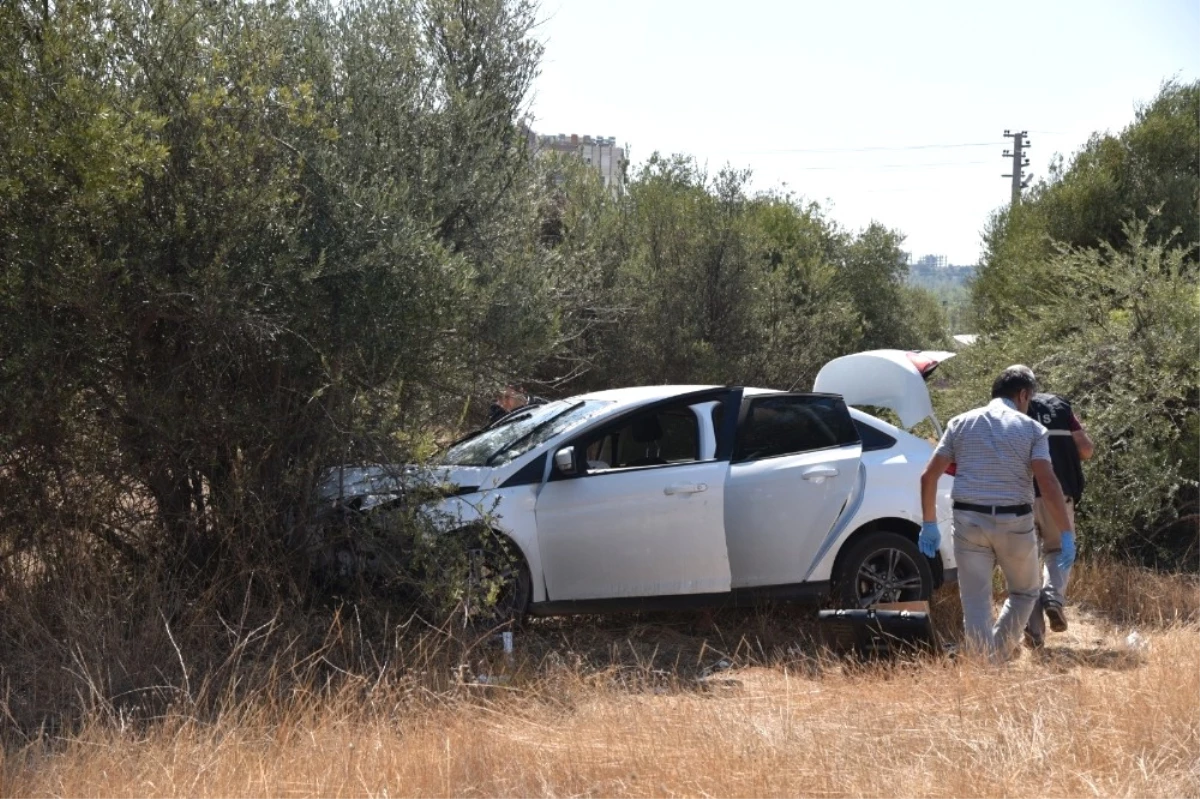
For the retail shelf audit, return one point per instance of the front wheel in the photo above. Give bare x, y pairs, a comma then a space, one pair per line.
884, 567
499, 586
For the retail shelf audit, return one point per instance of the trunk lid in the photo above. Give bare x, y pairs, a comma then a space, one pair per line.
892, 379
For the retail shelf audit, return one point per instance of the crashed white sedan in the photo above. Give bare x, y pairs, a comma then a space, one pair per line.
681, 496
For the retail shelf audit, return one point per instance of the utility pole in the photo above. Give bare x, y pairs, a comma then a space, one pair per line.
1019, 162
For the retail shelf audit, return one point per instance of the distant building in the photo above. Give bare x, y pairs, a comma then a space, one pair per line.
932, 262
599, 152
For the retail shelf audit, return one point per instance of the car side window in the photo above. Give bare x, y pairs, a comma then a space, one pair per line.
788, 424
873, 439
659, 437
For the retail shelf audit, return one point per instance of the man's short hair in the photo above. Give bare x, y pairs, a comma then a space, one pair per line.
1013, 380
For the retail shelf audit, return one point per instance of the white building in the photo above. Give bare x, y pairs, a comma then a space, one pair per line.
599, 152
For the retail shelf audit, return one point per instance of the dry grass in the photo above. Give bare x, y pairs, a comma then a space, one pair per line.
1130, 595
622, 707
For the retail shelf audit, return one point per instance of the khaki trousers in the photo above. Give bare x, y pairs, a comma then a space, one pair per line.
982, 542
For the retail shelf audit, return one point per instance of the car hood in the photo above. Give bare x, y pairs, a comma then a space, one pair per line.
892, 379
374, 484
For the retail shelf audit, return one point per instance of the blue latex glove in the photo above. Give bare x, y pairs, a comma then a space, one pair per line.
1066, 558
931, 538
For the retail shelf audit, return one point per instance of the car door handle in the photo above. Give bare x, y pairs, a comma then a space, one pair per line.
818, 473
685, 488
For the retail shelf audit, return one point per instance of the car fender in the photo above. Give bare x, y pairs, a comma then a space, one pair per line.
508, 511
876, 504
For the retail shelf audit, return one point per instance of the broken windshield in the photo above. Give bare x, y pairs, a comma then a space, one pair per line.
528, 429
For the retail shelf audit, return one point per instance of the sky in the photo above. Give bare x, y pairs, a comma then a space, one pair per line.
879, 111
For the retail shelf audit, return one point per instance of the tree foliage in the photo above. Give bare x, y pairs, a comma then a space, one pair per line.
246, 241
1091, 280
236, 235
696, 279
1146, 172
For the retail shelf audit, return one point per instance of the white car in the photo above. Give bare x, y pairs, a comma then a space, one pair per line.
677, 496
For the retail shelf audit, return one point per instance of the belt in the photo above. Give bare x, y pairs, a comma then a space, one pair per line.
995, 510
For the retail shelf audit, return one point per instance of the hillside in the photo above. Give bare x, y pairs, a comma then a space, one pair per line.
951, 286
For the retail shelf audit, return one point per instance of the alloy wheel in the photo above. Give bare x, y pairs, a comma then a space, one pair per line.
887, 575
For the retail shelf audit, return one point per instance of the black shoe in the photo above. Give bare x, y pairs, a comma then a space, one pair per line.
1057, 617
1032, 641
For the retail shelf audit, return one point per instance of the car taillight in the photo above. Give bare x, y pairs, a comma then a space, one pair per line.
922, 362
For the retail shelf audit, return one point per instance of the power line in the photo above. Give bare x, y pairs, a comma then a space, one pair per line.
872, 167
868, 149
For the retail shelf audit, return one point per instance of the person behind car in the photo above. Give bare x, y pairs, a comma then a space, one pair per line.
998, 451
1070, 445
512, 398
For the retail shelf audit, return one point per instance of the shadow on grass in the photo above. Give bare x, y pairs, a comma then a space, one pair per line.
690, 646
657, 652
1092, 657
704, 651
689, 652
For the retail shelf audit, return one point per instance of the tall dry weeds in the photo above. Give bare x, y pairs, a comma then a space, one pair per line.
723, 704
1131, 595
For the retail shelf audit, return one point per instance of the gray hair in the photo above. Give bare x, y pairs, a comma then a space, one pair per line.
1013, 380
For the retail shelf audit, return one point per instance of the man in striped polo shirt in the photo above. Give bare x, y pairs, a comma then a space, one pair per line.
998, 450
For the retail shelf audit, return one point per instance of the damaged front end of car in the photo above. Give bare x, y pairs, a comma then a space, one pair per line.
369, 517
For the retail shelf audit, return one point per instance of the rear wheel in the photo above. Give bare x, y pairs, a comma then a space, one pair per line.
883, 567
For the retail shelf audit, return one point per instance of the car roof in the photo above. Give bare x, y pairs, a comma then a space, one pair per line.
637, 394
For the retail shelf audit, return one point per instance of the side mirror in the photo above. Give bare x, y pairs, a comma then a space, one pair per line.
564, 461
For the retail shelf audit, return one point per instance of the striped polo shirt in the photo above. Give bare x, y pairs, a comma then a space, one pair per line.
994, 447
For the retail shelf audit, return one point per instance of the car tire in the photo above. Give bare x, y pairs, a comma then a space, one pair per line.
500, 587
883, 567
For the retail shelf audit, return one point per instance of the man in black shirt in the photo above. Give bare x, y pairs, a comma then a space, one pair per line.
1069, 446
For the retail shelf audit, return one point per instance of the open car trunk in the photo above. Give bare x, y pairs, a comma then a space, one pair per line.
892, 379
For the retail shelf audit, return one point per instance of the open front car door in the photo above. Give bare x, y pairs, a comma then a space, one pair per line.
635, 506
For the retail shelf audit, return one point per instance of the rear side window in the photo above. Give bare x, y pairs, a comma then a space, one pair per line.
787, 424
873, 439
